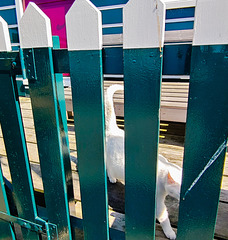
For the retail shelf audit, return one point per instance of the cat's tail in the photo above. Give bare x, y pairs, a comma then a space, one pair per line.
110, 116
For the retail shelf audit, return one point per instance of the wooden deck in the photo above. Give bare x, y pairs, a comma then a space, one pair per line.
171, 149
174, 100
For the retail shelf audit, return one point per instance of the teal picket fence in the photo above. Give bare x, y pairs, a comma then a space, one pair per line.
43, 65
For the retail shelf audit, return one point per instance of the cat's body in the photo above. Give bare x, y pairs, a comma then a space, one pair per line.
168, 174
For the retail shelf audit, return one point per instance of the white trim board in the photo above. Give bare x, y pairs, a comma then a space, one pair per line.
111, 7
19, 9
13, 26
178, 36
178, 20
170, 4
8, 7
114, 25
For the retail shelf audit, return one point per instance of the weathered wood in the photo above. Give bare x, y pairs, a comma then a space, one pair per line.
143, 24
174, 99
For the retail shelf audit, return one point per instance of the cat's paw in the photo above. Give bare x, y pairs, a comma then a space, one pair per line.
167, 229
170, 235
111, 179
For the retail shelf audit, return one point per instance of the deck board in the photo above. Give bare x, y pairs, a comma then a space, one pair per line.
174, 100
170, 149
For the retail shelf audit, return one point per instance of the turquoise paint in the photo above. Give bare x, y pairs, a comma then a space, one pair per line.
14, 35
142, 82
180, 13
100, 3
112, 30
61, 60
14, 139
21, 88
87, 95
206, 131
7, 3
112, 16
179, 26
177, 59
9, 16
5, 228
46, 121
63, 129
113, 60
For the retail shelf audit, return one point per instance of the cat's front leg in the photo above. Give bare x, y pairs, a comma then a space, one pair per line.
167, 229
163, 218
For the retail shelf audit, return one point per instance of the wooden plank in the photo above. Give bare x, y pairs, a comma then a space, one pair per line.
143, 41
36, 43
84, 37
182, 105
173, 115
207, 129
171, 94
174, 99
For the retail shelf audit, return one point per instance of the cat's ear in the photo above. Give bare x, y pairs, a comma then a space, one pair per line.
170, 180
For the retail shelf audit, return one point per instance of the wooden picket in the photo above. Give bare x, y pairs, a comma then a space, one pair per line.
42, 88
16, 153
143, 41
5, 227
207, 129
84, 37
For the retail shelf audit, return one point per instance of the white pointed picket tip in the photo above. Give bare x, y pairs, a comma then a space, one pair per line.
84, 26
35, 28
5, 44
143, 24
211, 22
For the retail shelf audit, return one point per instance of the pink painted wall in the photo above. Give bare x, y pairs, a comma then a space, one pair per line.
56, 11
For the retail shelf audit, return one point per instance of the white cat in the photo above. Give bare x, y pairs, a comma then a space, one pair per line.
168, 174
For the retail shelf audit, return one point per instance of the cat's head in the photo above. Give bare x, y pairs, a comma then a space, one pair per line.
173, 183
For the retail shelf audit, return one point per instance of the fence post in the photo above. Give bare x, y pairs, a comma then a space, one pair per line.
5, 228
143, 39
36, 44
84, 36
64, 140
207, 118
13, 135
